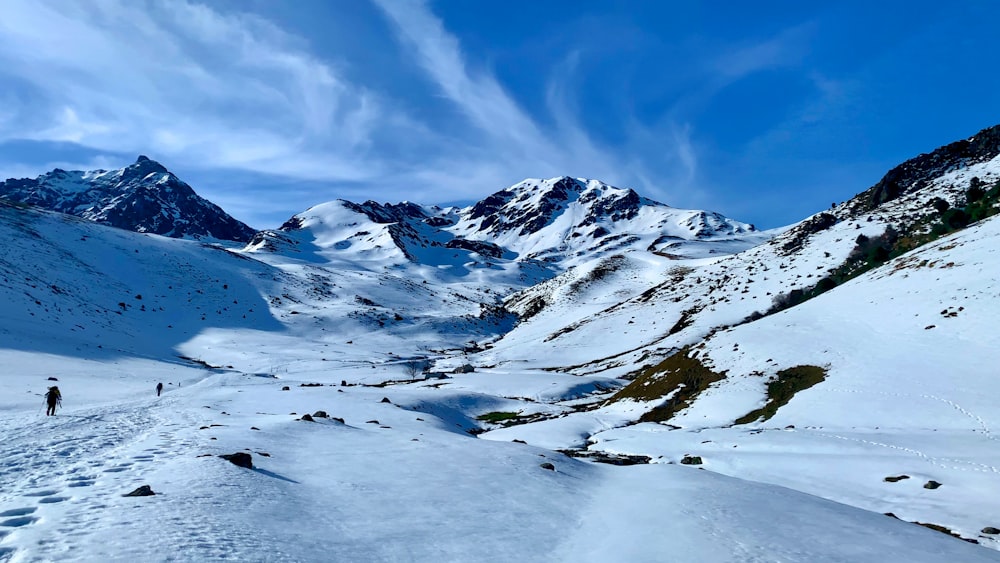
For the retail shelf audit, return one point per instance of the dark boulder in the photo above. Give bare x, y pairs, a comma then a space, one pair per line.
241, 459
990, 530
548, 466
307, 417
896, 478
320, 414
143, 491
691, 460
931, 484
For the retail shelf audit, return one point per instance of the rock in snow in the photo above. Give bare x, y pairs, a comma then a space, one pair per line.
239, 459
143, 491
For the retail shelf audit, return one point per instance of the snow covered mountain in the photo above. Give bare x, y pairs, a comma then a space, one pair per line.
866, 325
144, 197
695, 297
463, 369
555, 223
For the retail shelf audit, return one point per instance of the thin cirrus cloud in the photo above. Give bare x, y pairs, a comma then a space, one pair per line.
202, 88
509, 141
180, 81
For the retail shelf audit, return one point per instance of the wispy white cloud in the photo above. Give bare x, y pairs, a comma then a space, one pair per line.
181, 81
506, 138
199, 87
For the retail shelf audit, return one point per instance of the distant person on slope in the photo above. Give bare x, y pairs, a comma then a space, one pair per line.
52, 398
159, 389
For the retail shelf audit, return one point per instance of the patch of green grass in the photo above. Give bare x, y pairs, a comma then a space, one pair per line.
781, 390
497, 416
680, 376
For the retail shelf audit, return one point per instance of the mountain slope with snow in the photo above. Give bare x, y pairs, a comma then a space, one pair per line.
554, 224
143, 197
695, 297
909, 391
441, 431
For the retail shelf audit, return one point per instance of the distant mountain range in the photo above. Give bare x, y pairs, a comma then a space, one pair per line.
558, 221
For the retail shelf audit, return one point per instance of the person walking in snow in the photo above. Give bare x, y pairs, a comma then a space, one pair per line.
159, 389
52, 398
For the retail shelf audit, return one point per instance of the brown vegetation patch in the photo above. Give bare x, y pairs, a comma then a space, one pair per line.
681, 377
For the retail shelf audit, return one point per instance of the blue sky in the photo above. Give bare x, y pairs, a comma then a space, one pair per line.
764, 111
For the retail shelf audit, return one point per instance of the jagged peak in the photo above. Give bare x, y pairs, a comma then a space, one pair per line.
145, 165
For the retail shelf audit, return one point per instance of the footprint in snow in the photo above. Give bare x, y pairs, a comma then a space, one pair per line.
43, 493
18, 522
82, 481
17, 512
52, 500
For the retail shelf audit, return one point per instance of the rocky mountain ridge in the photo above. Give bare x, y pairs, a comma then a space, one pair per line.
144, 197
559, 221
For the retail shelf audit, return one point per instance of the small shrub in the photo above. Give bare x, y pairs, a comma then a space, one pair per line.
955, 219
975, 192
415, 367
940, 205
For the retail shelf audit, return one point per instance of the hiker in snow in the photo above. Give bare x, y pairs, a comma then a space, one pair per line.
52, 398
159, 389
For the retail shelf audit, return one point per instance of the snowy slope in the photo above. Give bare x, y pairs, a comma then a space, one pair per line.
906, 348
695, 296
910, 390
393, 481
342, 308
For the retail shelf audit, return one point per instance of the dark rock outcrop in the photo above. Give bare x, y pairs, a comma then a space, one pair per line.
143, 491
915, 173
240, 459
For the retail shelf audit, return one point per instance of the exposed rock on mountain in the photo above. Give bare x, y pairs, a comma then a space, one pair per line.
942, 192
561, 222
916, 173
144, 197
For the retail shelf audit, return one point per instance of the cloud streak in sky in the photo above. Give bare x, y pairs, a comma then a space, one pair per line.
181, 81
198, 87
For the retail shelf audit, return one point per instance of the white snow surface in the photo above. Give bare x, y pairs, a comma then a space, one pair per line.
405, 470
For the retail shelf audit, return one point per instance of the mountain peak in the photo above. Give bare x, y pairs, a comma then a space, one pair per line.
145, 165
144, 197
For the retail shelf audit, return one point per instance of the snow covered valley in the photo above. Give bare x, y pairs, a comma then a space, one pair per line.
404, 481
466, 406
